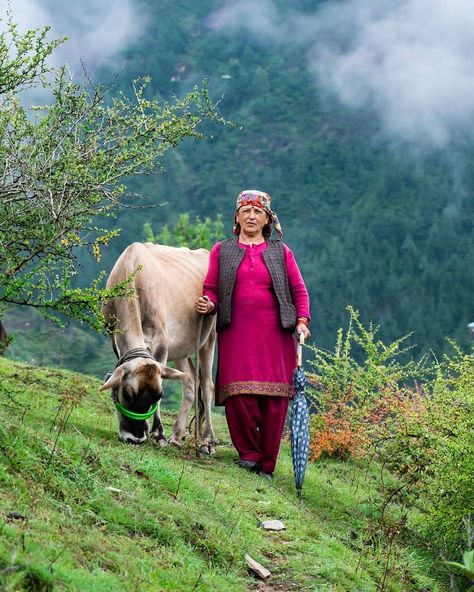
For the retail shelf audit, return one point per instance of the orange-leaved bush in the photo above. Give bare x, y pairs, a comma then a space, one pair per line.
360, 393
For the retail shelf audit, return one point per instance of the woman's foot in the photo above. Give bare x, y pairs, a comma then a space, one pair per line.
268, 476
249, 465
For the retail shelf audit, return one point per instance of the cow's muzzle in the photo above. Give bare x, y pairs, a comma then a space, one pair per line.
130, 438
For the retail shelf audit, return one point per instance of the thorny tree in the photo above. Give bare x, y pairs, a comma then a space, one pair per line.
64, 164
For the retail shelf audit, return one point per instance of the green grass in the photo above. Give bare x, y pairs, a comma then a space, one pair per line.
177, 523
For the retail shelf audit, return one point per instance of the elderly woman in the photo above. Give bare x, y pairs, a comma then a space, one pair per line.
256, 288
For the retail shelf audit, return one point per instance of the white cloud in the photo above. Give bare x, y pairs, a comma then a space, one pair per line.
409, 62
98, 30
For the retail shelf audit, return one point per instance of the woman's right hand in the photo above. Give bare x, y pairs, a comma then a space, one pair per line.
203, 305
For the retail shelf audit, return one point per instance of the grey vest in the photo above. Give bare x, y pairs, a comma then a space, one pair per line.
230, 257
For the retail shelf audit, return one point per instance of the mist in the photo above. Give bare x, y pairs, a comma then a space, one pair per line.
98, 30
408, 63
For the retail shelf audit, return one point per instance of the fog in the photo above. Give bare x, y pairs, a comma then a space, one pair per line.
98, 30
409, 63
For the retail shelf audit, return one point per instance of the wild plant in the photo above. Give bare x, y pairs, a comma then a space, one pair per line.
362, 391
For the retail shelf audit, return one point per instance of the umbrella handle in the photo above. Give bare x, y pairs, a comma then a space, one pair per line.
299, 350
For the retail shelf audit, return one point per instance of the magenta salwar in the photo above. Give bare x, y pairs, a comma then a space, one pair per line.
255, 426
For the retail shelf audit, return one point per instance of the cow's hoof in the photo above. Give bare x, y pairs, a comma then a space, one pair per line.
206, 449
174, 442
160, 440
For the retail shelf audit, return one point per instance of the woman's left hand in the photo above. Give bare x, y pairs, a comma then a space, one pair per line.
302, 328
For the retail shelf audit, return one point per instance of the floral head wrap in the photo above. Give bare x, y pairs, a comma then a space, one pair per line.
253, 197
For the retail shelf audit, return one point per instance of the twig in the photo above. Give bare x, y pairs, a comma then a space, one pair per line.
58, 555
385, 571
61, 429
179, 482
217, 491
470, 531
197, 581
234, 527
452, 580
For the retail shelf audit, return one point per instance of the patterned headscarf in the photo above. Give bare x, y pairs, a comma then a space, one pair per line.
253, 197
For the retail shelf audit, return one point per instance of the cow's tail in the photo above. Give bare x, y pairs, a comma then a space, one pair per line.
200, 402
201, 406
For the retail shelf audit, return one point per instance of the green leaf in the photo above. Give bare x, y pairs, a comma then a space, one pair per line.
462, 569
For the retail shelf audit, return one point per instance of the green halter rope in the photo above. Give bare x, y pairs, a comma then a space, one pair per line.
137, 416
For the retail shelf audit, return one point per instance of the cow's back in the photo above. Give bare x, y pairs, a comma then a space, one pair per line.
167, 282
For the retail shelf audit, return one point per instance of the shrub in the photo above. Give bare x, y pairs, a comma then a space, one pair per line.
361, 403
434, 455
370, 404
449, 482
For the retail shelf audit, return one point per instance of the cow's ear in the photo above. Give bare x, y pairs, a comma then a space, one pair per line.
113, 381
171, 373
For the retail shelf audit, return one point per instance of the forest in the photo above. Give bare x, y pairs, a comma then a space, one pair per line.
374, 224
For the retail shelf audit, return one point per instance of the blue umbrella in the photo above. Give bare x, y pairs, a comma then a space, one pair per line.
299, 423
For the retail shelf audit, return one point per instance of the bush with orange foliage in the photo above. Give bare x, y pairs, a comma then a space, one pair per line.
361, 404
333, 437
347, 431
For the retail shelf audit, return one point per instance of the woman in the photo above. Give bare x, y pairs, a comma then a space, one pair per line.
260, 298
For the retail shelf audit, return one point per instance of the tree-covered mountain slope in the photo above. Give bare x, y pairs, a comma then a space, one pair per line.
374, 224
382, 226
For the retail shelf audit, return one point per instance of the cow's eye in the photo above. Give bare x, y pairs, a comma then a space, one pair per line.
127, 396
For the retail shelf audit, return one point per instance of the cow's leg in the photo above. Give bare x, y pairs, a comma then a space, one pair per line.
160, 354
157, 433
206, 357
180, 427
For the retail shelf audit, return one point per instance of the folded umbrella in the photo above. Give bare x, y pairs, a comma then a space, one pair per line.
299, 423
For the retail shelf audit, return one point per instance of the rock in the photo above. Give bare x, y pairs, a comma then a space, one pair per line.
273, 525
259, 570
15, 516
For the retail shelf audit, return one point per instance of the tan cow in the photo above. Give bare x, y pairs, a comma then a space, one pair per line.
156, 325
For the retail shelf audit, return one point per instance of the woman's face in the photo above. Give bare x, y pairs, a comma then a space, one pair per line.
252, 219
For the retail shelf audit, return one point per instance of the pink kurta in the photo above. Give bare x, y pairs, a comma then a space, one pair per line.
255, 355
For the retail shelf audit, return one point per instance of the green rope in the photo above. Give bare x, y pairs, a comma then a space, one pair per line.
137, 416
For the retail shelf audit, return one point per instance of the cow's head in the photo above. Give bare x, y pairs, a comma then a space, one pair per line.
136, 386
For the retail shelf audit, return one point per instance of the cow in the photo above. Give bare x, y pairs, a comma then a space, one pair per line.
156, 324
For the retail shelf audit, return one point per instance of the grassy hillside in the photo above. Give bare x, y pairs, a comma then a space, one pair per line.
82, 511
